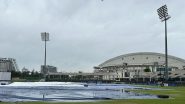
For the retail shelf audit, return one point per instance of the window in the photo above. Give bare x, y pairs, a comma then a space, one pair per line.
146, 57
122, 58
133, 58
159, 57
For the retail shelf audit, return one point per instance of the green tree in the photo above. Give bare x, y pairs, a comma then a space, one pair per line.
147, 69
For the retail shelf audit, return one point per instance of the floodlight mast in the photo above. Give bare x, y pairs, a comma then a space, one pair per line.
45, 38
163, 15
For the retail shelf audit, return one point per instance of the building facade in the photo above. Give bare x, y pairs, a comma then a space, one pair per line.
5, 78
8, 65
140, 65
48, 69
132, 67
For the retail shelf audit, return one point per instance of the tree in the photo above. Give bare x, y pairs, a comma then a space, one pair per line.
147, 69
15, 73
80, 72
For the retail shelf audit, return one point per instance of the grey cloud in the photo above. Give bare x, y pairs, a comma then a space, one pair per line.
84, 33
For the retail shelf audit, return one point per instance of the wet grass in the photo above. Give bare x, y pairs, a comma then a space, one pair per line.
177, 96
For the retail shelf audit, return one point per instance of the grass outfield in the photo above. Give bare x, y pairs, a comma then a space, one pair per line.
177, 96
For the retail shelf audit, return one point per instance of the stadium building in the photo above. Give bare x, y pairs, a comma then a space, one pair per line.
141, 66
48, 69
132, 67
6, 66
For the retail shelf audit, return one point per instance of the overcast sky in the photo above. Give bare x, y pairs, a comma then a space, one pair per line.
85, 33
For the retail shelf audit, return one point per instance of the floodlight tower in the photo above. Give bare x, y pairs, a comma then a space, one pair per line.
45, 38
163, 16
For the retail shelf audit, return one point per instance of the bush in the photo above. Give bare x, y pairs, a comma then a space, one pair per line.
147, 70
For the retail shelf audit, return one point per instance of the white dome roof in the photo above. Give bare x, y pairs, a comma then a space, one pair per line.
143, 58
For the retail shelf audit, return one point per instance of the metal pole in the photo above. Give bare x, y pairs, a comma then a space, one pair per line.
45, 55
163, 15
166, 51
160, 75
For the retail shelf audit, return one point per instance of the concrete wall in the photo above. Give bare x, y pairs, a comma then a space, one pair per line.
5, 76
